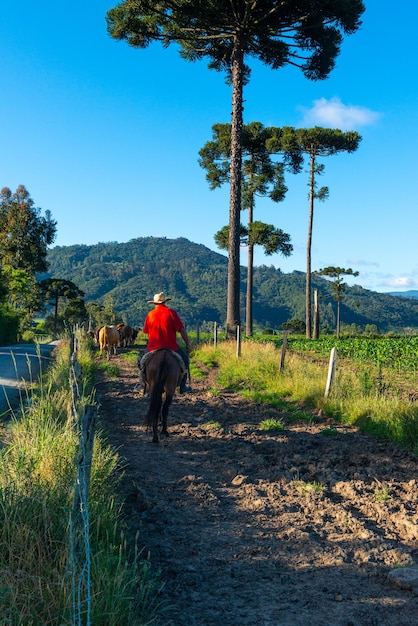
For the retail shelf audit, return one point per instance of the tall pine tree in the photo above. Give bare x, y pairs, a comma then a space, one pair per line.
302, 33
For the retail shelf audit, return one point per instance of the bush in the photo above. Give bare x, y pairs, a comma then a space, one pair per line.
28, 336
294, 326
9, 326
268, 331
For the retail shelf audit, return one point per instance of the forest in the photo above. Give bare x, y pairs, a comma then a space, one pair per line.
124, 276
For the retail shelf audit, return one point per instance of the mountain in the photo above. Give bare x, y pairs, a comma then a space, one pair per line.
405, 294
195, 278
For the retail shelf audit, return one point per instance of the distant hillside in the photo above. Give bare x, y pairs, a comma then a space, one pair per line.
196, 279
405, 294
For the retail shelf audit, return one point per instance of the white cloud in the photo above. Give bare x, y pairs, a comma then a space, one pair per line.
392, 283
334, 114
402, 282
384, 282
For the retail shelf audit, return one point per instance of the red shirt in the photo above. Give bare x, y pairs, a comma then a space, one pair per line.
161, 325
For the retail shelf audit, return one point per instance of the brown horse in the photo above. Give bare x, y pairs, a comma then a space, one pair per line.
163, 374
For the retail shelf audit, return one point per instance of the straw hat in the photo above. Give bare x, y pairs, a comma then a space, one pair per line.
159, 298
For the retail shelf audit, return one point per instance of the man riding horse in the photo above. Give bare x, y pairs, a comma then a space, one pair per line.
162, 325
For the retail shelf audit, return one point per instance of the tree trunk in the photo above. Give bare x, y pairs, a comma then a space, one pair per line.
308, 312
338, 318
56, 312
233, 294
249, 302
316, 316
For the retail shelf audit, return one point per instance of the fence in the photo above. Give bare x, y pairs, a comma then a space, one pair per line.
332, 362
79, 537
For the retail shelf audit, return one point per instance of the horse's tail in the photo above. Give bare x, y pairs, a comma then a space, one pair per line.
157, 392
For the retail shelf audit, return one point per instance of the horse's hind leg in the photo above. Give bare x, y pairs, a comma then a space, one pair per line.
155, 430
164, 413
152, 420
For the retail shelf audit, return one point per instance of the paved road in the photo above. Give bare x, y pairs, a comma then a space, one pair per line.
19, 365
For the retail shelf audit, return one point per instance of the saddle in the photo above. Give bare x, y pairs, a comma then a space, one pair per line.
142, 363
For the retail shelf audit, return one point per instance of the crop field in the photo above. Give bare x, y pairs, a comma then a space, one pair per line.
397, 353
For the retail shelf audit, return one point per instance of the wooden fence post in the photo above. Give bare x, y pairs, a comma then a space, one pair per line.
215, 335
238, 341
284, 347
331, 371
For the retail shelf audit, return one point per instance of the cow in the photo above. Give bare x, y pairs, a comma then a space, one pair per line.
109, 339
134, 334
127, 334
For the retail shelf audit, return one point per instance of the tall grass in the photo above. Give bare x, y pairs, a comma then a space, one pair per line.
37, 474
357, 398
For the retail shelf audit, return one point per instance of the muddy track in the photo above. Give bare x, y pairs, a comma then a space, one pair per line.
251, 528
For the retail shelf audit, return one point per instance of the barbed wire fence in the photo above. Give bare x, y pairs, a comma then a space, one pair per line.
79, 526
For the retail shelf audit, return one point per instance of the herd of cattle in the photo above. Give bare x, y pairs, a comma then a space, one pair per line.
110, 338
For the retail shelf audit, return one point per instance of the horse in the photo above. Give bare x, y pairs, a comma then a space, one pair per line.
163, 373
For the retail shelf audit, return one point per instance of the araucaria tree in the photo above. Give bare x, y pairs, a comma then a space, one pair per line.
302, 33
53, 289
261, 175
338, 286
319, 142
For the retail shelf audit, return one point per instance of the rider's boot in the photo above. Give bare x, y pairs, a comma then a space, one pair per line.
184, 387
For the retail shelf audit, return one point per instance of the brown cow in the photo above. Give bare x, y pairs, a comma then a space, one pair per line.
122, 331
109, 339
126, 333
134, 334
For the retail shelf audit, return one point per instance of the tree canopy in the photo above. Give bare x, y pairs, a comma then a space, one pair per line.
55, 288
338, 286
229, 32
318, 142
261, 175
24, 233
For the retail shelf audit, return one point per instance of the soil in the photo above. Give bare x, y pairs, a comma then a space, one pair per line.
294, 527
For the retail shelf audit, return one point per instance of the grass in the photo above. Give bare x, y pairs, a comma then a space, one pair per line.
329, 431
132, 356
271, 425
197, 371
111, 369
37, 477
308, 487
357, 398
213, 425
382, 493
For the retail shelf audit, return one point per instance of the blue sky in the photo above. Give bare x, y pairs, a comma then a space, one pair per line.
107, 138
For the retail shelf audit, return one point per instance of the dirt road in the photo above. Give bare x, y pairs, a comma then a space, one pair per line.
295, 528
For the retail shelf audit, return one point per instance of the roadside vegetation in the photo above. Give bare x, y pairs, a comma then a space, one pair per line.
374, 388
37, 478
